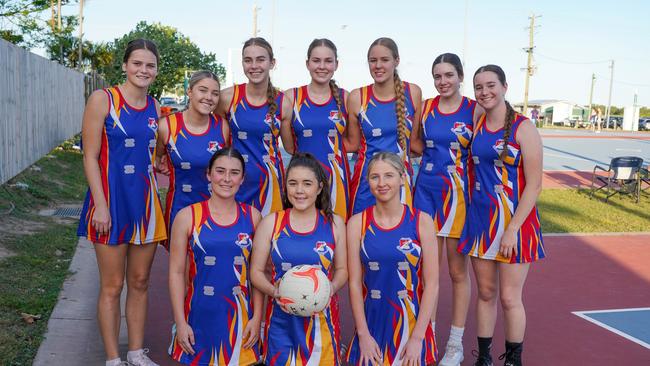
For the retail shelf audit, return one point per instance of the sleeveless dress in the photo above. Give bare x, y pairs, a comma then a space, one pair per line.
318, 129
126, 158
217, 303
189, 155
378, 124
255, 134
296, 340
441, 186
494, 196
392, 287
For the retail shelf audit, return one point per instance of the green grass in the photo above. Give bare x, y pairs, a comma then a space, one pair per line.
42, 248
573, 211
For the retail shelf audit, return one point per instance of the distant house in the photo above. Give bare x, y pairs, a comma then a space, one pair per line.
554, 111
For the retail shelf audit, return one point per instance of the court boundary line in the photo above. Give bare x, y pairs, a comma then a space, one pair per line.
584, 315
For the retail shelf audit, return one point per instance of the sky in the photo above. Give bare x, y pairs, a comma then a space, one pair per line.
573, 39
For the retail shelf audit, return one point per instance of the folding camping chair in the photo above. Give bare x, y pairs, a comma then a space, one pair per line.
623, 177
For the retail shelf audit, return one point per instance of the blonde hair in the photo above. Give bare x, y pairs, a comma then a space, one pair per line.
400, 97
390, 158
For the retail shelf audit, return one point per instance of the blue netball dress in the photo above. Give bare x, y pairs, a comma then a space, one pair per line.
296, 340
318, 129
378, 123
255, 135
189, 155
392, 287
440, 189
126, 158
494, 196
217, 303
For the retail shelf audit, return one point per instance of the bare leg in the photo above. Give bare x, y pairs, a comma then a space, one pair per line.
487, 281
461, 284
511, 281
440, 241
110, 260
140, 258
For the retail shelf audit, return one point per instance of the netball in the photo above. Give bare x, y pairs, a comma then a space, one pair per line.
304, 290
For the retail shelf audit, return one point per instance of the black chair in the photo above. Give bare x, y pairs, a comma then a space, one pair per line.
623, 177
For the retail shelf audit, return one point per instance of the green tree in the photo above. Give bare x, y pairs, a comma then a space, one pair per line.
178, 54
22, 23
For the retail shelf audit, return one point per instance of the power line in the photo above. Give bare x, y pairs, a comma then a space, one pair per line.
625, 82
573, 62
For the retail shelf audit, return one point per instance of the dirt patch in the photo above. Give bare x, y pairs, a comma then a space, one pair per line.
4, 253
14, 226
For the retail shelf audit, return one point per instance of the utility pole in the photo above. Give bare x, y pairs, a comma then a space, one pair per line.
52, 19
58, 10
465, 42
273, 23
81, 33
609, 100
255, 9
530, 69
591, 97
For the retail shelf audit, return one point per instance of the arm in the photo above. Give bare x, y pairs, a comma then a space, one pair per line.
478, 112
162, 161
352, 136
428, 242
252, 331
260, 255
181, 230
417, 142
225, 98
286, 129
91, 134
340, 255
369, 350
530, 144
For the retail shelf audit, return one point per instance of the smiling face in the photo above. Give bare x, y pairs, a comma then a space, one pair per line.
141, 68
385, 181
382, 64
303, 188
488, 90
226, 176
321, 64
446, 79
204, 95
257, 63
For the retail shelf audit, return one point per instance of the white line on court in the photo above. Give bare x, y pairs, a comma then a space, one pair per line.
583, 315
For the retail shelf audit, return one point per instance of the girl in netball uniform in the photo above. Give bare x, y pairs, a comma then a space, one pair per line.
319, 120
441, 188
393, 264
503, 232
215, 322
256, 113
381, 117
191, 137
122, 214
306, 232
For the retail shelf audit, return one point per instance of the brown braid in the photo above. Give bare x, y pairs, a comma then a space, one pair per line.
507, 130
271, 93
334, 89
400, 111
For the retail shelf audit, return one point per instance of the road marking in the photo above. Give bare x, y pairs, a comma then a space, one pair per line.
585, 315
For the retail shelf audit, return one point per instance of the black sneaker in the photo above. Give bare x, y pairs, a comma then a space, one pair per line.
512, 355
482, 360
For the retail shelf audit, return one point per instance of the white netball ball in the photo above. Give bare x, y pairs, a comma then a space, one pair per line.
304, 290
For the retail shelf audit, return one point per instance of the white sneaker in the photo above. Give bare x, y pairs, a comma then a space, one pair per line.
141, 359
453, 355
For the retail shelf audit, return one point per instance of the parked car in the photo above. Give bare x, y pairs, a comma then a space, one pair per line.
614, 122
167, 101
644, 124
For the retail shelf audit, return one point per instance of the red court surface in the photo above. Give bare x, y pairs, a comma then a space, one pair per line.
581, 273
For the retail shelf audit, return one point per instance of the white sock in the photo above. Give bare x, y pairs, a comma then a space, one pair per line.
456, 335
114, 362
133, 354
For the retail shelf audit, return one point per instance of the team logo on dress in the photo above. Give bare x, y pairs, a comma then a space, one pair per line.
406, 245
498, 147
213, 146
153, 124
460, 128
270, 121
243, 240
335, 116
322, 248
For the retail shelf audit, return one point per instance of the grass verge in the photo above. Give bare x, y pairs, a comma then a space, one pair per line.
573, 211
40, 250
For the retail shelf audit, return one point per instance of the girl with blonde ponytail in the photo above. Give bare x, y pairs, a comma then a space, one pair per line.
319, 120
258, 115
381, 118
502, 231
